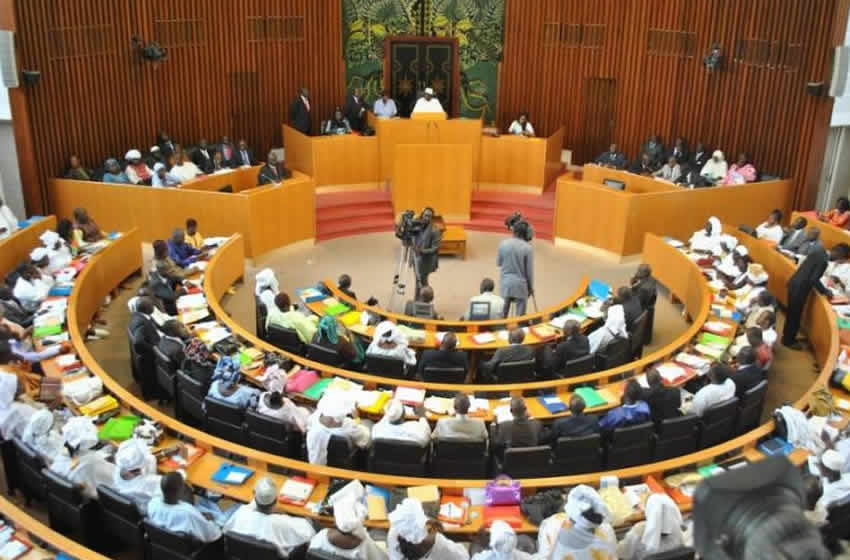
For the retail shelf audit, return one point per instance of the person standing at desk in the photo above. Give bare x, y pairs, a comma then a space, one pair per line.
807, 276
613, 158
299, 112
428, 103
516, 262
426, 248
355, 110
521, 126
385, 107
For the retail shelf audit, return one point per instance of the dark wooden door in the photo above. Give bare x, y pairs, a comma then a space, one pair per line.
600, 96
418, 64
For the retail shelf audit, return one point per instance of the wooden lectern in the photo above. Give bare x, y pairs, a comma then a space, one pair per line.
435, 175
428, 116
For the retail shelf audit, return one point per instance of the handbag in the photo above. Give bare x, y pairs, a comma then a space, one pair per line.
502, 491
301, 380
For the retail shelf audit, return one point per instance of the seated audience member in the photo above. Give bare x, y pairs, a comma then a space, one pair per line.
521, 126
678, 151
633, 409
219, 164
173, 340
166, 144
423, 307
274, 404
19, 350
643, 166
137, 170
771, 229
811, 244
632, 307
259, 521
413, 535
614, 328
503, 544
446, 356
838, 216
334, 335
8, 221
10, 328
720, 388
699, 157
58, 251
514, 352
202, 156
574, 345
487, 295
763, 302
393, 426
66, 232
837, 274
78, 462
40, 259
740, 172
243, 156
135, 474
644, 286
12, 310
460, 426
41, 433
389, 342
163, 178
794, 236
521, 431
169, 512
85, 227
227, 150
184, 169
333, 418
155, 156
577, 424
14, 415
747, 372
348, 538
142, 326
764, 355
654, 148
225, 385
192, 237
76, 170
714, 171
584, 533
613, 158
690, 176
664, 402
266, 286
708, 240
384, 106
113, 172
31, 287
337, 124
181, 252
670, 171
660, 532
270, 173
344, 285
283, 315
199, 362
835, 482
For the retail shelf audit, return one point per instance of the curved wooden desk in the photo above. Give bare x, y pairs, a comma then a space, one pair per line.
16, 248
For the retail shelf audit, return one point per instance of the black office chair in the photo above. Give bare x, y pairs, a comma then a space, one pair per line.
675, 437
386, 367
166, 376
145, 367
616, 353
285, 339
389, 456
718, 423
457, 458
133, 357
68, 512
576, 367
629, 446
751, 406
29, 468
10, 467
681, 553
637, 337
260, 314
267, 434
455, 375
120, 518
422, 310
189, 406
224, 419
327, 356
242, 547
515, 372
837, 526
342, 453
577, 455
527, 462
162, 544
479, 311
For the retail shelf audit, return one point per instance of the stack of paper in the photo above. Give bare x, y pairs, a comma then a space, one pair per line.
68, 362
484, 338
692, 361
478, 406
415, 336
214, 336
310, 295
296, 490
341, 384
503, 414
191, 302
410, 395
99, 406
440, 405
194, 315
671, 373
717, 327
372, 401
711, 351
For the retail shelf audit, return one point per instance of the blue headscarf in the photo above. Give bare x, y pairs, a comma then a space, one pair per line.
228, 371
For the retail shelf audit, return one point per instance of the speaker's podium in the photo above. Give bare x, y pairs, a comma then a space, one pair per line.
429, 116
436, 175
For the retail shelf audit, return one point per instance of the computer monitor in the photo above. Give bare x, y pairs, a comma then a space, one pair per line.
479, 310
614, 184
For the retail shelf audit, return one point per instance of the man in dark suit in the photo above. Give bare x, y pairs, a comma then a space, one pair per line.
522, 431
664, 402
574, 345
643, 166
173, 341
355, 110
632, 307
299, 112
426, 248
645, 286
270, 173
699, 157
244, 155
612, 158
678, 151
747, 374
514, 352
577, 424
202, 156
141, 325
227, 150
446, 356
166, 145
691, 176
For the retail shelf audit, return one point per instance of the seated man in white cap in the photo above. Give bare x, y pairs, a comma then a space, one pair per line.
14, 415
390, 342
41, 436
835, 481
332, 419
162, 177
349, 538
78, 462
137, 171
169, 512
393, 426
135, 473
662, 530
583, 532
502, 544
259, 521
413, 535
428, 103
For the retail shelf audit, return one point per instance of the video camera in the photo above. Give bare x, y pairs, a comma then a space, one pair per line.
409, 226
514, 220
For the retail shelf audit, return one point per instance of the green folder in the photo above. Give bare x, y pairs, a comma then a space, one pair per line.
337, 309
119, 429
590, 396
710, 470
317, 389
712, 339
46, 330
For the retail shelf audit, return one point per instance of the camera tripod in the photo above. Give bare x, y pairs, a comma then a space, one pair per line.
405, 258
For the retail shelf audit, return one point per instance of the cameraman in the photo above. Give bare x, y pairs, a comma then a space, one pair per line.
426, 248
516, 261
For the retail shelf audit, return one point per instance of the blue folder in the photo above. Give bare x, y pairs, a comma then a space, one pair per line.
225, 471
553, 407
599, 289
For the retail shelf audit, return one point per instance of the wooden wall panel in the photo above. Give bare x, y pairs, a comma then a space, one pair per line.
233, 68
560, 54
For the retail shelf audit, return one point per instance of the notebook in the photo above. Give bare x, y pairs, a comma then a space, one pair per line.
439, 405
552, 403
119, 429
590, 396
712, 339
544, 332
178, 460
509, 514
317, 389
296, 490
410, 395
228, 473
599, 289
338, 309
484, 338
454, 510
311, 294
373, 402
377, 502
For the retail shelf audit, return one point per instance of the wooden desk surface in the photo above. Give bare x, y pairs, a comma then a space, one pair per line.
239, 178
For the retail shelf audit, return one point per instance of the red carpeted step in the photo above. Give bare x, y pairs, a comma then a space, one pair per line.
352, 226
352, 198
334, 213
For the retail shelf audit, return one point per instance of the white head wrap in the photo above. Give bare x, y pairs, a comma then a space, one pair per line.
502, 540
8, 388
265, 280
154, 149
581, 499
394, 410
80, 433
265, 492
615, 322
349, 514
409, 520
716, 228
336, 405
273, 379
742, 251
131, 455
756, 274
662, 518
387, 331
38, 253
718, 154
49, 238
832, 460
158, 166
429, 91
39, 424
133, 154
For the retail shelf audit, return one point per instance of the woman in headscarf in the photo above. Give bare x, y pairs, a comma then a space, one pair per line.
31, 288
348, 538
333, 335
137, 170
708, 240
332, 418
58, 252
502, 544
412, 536
392, 426
13, 415
584, 532
266, 286
614, 327
65, 231
274, 404
86, 226
226, 387
391, 343
113, 172
198, 361
740, 172
714, 170
135, 473
40, 435
662, 530
78, 462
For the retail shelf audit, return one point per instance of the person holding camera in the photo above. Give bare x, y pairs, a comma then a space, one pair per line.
426, 248
516, 264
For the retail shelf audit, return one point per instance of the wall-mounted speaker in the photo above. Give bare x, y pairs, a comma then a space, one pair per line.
840, 65
31, 77
814, 88
8, 62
